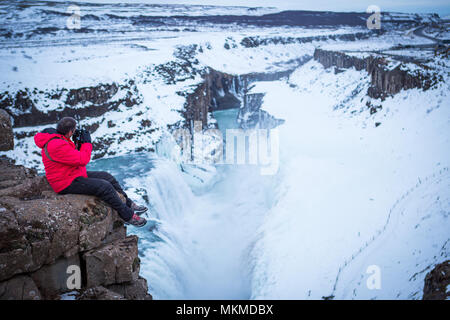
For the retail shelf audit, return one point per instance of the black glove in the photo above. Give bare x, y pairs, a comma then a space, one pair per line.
86, 137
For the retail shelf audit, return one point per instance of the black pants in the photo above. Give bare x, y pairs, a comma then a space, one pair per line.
103, 185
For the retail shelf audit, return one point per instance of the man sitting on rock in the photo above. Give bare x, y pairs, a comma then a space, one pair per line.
65, 169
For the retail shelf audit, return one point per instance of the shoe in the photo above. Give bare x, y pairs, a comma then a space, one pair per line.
138, 209
136, 221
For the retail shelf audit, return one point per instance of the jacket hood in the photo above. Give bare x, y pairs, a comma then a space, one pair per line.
42, 138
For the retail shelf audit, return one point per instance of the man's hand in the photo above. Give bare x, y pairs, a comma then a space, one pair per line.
86, 137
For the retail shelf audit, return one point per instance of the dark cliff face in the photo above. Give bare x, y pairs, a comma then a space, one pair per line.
221, 91
218, 91
285, 18
437, 282
43, 233
256, 41
78, 103
384, 82
6, 134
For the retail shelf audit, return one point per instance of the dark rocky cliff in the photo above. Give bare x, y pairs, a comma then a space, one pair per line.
256, 41
221, 91
6, 133
42, 234
384, 81
79, 103
437, 282
217, 91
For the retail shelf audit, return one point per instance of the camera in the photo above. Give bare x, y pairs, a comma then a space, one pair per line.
77, 137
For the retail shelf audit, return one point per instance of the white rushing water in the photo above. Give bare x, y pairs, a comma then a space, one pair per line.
205, 238
207, 227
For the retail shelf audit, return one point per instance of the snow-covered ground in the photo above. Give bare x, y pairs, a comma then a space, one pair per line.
66, 66
354, 190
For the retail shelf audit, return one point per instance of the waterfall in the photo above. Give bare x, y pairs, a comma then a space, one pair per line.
197, 245
204, 222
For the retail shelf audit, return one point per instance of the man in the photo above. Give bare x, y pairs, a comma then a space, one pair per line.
65, 169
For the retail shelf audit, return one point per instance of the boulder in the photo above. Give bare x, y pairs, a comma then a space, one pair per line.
43, 233
38, 226
50, 226
6, 133
437, 282
116, 262
100, 293
98, 223
13, 175
51, 279
384, 81
136, 290
39, 231
19, 288
14, 251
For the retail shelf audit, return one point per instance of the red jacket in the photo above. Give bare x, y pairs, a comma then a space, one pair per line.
68, 163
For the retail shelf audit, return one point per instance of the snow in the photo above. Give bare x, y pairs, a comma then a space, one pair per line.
340, 177
383, 42
78, 66
123, 9
69, 64
354, 190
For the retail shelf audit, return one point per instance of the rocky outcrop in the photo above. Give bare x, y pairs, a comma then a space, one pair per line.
116, 262
185, 66
437, 282
19, 288
218, 91
292, 18
89, 105
6, 134
221, 91
256, 41
42, 234
384, 81
100, 293
79, 103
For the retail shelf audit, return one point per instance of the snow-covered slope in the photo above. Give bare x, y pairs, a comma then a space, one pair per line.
353, 194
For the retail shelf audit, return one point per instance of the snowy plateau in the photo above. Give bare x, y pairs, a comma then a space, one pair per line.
363, 121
